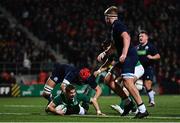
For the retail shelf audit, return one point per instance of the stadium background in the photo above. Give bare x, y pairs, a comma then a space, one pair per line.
35, 34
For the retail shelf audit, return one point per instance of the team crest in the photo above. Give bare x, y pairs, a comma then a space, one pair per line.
146, 48
55, 78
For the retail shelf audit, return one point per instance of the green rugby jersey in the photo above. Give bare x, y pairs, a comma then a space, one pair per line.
62, 99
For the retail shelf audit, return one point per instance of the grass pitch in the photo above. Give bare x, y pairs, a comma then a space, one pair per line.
31, 109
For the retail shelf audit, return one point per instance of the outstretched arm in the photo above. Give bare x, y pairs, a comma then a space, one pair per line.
98, 92
106, 52
103, 67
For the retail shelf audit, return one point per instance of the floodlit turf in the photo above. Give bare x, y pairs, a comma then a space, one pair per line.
31, 109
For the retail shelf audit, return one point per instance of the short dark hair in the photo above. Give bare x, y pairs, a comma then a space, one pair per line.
70, 87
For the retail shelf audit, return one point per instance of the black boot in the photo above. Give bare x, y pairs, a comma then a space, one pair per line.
140, 115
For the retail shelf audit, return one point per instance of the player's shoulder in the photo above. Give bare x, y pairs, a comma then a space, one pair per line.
150, 45
118, 23
119, 26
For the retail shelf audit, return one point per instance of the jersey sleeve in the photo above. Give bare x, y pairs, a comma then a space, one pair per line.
83, 97
153, 50
119, 27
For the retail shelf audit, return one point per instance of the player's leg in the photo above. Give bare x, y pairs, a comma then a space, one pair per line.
122, 105
109, 80
148, 80
128, 70
48, 87
139, 71
120, 108
115, 86
150, 92
52, 81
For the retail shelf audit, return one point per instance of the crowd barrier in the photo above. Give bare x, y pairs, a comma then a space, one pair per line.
35, 90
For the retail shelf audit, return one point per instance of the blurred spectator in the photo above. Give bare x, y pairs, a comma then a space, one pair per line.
42, 77
74, 28
12, 78
14, 44
5, 77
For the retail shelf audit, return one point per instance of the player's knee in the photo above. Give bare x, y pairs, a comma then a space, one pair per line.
128, 82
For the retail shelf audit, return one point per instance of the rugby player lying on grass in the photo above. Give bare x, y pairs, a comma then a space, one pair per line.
65, 74
70, 103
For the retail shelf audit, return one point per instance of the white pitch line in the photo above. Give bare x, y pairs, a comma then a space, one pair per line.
100, 116
23, 106
153, 117
4, 113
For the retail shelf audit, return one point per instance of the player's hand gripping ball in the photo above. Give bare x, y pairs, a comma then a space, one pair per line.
61, 108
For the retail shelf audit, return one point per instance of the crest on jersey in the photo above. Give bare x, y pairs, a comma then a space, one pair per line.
56, 79
146, 48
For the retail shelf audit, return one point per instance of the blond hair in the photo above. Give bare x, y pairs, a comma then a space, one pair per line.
111, 11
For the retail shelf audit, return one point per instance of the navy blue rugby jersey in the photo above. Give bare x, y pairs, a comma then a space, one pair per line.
116, 30
71, 74
143, 51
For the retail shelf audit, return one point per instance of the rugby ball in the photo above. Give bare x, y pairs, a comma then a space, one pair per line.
139, 84
61, 107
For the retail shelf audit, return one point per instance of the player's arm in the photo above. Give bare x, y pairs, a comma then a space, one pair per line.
51, 107
95, 86
96, 106
126, 42
102, 55
98, 92
154, 54
103, 67
154, 57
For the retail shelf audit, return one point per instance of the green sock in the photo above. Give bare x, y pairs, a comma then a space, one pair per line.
135, 107
122, 103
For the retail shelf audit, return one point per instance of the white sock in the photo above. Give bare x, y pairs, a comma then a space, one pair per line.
151, 96
142, 108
